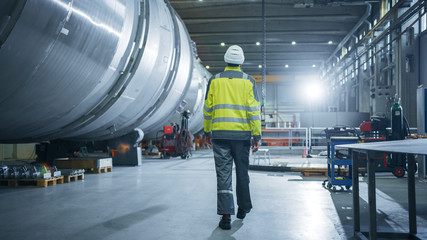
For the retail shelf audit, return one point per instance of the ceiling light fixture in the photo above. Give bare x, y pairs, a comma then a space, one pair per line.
258, 43
293, 42
259, 66
330, 42
286, 66
207, 67
222, 44
314, 65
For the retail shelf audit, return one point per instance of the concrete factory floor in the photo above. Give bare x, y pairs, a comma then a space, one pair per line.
176, 199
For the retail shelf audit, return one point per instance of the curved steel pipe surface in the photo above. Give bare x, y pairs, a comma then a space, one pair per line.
92, 69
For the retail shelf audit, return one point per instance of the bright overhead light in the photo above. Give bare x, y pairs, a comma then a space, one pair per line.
293, 42
259, 66
207, 67
258, 43
286, 66
222, 44
200, 0
312, 90
330, 42
314, 65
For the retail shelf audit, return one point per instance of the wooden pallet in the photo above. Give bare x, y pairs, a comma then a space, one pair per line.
314, 172
32, 182
8, 182
74, 178
152, 154
322, 172
99, 170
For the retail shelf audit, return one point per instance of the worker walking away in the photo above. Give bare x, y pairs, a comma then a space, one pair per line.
232, 122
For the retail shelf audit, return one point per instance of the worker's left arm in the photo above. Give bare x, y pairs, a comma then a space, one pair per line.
208, 109
254, 113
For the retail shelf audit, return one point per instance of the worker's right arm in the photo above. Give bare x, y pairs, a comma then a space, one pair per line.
254, 111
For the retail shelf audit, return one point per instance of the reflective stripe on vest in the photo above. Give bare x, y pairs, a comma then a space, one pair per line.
207, 109
230, 119
232, 106
254, 118
225, 191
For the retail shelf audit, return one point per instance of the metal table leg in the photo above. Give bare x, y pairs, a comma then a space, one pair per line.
356, 205
372, 196
411, 195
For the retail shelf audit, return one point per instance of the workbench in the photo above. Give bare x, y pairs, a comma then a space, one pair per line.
409, 147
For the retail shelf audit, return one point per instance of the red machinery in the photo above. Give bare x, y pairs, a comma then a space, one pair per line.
177, 141
374, 131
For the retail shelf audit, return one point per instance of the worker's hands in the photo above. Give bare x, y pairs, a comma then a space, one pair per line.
255, 145
209, 140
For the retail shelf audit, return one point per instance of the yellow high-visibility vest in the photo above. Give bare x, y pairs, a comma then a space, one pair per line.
232, 109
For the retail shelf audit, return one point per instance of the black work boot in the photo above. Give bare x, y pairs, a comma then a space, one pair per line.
225, 222
241, 214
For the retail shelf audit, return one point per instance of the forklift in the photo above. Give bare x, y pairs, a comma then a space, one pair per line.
177, 140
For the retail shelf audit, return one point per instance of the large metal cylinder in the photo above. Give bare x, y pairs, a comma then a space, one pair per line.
92, 69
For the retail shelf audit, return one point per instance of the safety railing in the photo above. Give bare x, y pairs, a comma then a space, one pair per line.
291, 138
313, 138
317, 138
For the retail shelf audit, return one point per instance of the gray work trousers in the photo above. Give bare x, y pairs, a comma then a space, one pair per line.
225, 151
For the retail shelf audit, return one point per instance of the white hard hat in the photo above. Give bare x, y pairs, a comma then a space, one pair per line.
234, 55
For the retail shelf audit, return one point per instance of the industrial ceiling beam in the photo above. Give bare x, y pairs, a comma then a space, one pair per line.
271, 71
273, 38
213, 7
322, 18
252, 33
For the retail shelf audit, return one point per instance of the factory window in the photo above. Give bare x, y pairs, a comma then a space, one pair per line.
424, 22
388, 42
343, 51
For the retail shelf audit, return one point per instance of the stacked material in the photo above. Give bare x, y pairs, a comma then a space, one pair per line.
72, 172
26, 172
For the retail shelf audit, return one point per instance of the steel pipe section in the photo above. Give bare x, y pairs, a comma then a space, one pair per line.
94, 70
